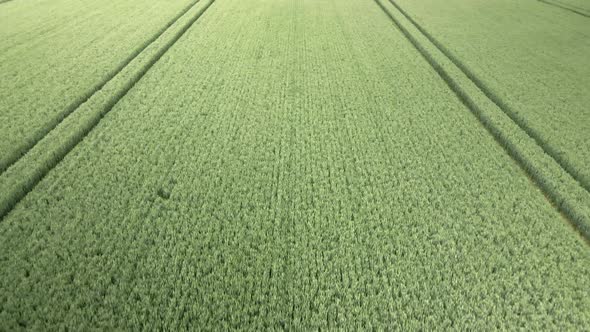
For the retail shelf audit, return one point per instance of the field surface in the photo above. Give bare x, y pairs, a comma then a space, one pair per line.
294, 165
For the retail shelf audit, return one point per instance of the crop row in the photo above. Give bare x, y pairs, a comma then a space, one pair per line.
558, 185
525, 65
22, 176
302, 167
52, 66
579, 7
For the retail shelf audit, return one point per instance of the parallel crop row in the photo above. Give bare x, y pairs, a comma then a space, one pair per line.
580, 7
301, 168
556, 183
534, 70
56, 54
22, 176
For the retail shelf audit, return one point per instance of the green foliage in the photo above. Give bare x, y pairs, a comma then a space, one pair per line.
45, 51
292, 165
536, 71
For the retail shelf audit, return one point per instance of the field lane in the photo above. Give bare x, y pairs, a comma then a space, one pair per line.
46, 64
528, 60
563, 190
301, 168
17, 181
567, 7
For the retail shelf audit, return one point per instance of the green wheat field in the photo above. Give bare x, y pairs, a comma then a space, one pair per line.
298, 165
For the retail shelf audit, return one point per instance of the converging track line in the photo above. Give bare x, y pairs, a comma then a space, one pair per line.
498, 136
560, 6
42, 133
70, 145
550, 151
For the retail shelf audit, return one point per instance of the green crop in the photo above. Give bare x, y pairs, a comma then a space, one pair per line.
580, 7
291, 165
54, 55
535, 71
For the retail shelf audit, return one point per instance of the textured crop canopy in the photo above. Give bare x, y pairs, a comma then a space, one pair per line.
294, 165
